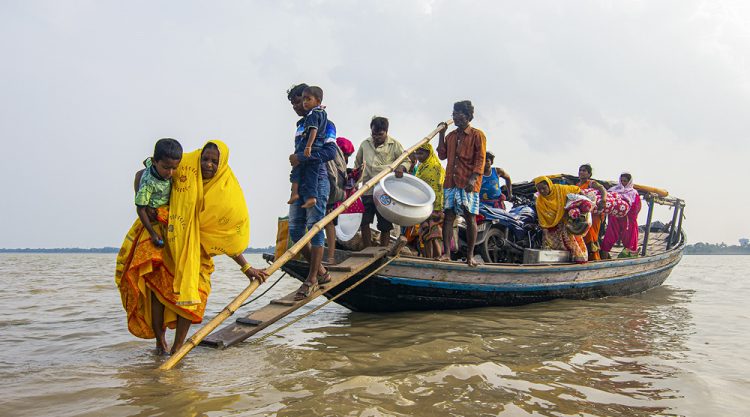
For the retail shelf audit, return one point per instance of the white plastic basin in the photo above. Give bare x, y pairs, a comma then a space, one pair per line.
348, 226
404, 201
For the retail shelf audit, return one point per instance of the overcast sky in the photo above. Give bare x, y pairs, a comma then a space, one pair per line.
659, 88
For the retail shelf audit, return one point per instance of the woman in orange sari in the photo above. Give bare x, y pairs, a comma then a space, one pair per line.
591, 238
550, 210
207, 216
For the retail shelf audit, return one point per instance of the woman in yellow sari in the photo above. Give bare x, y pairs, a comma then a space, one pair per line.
432, 172
550, 210
207, 216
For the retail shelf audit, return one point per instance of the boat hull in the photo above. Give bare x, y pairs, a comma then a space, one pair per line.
418, 284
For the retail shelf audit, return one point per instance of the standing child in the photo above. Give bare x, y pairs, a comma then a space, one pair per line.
304, 176
155, 184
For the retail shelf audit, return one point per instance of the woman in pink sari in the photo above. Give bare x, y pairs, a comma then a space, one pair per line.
624, 228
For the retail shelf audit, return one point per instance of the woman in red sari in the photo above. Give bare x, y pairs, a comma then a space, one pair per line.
625, 228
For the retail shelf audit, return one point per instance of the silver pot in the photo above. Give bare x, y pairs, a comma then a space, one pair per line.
404, 201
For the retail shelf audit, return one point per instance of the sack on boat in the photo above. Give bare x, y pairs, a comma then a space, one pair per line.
578, 214
282, 237
615, 204
580, 225
582, 203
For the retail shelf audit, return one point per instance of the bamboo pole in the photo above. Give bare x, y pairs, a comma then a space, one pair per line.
204, 331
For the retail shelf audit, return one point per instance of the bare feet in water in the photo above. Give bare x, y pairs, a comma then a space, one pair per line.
175, 348
161, 347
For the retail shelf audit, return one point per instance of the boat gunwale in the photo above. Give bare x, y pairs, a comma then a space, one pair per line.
523, 286
409, 261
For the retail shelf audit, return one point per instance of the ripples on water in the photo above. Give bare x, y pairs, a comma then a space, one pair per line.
676, 350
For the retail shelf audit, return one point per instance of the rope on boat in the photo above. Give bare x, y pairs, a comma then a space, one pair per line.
297, 319
264, 292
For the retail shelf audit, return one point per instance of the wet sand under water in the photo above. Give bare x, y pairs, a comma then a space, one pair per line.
679, 349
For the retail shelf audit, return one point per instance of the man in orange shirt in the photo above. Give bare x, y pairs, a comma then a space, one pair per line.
464, 148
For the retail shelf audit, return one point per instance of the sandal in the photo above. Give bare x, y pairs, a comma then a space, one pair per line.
308, 289
324, 278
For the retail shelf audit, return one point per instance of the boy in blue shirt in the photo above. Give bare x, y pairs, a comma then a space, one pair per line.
304, 176
155, 183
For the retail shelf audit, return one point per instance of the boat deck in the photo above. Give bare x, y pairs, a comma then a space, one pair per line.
257, 320
657, 243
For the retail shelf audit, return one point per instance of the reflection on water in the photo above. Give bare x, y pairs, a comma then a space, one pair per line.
554, 358
65, 350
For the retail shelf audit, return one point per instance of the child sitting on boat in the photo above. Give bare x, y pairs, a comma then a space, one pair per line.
304, 176
155, 184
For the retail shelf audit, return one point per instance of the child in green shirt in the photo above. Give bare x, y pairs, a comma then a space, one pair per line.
155, 183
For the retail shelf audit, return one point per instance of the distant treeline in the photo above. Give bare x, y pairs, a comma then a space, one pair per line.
106, 249
702, 248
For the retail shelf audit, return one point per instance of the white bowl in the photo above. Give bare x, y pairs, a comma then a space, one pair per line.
348, 226
404, 201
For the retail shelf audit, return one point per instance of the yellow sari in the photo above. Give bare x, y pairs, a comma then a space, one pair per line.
433, 173
550, 211
206, 218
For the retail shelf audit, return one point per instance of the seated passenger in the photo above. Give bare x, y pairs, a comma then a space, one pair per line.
491, 192
550, 210
625, 228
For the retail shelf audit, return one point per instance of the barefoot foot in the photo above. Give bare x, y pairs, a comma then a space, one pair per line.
175, 348
293, 198
161, 347
310, 202
443, 258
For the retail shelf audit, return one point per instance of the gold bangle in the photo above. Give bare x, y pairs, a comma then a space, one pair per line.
245, 267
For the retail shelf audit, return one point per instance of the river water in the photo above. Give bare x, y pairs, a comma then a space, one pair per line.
680, 349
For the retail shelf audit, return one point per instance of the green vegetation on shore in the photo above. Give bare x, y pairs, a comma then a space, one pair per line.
702, 248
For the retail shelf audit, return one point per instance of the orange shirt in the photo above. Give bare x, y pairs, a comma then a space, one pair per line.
465, 154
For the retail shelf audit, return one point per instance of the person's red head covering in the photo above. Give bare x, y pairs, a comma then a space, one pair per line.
345, 145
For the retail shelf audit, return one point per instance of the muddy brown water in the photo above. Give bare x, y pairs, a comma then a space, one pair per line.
680, 349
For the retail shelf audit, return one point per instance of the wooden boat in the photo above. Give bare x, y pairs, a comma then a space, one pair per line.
413, 283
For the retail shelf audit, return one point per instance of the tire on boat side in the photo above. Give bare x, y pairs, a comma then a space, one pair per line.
491, 240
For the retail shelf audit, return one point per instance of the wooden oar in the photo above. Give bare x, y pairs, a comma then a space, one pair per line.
204, 331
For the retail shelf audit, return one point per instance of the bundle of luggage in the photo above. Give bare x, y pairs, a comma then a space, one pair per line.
578, 213
614, 204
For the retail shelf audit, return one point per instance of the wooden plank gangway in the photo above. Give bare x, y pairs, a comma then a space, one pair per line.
277, 309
